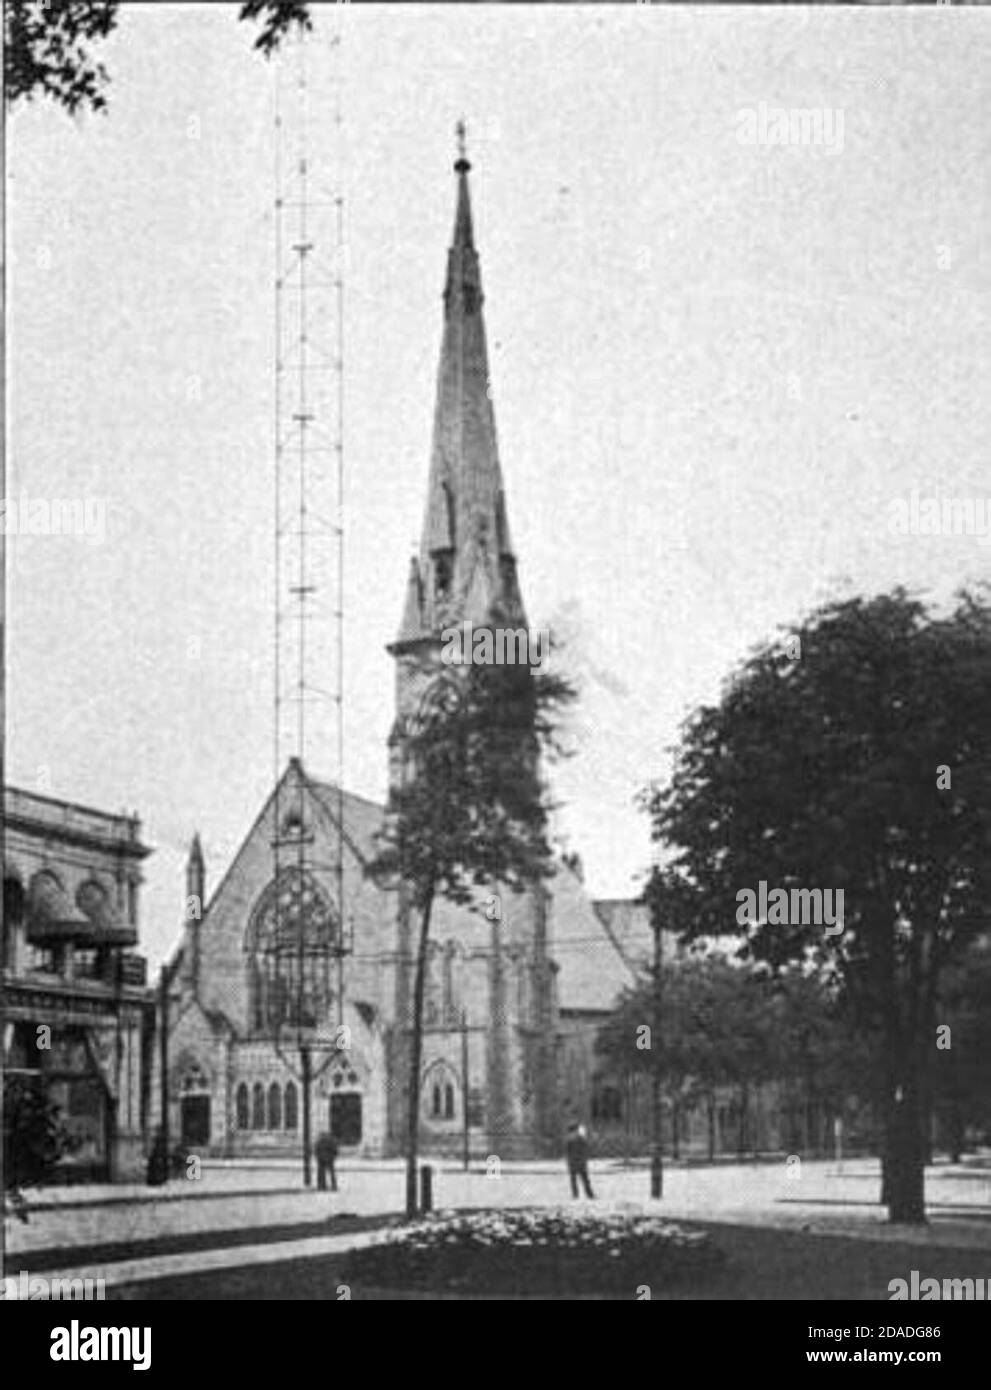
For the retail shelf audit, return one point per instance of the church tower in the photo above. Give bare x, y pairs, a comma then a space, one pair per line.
466, 570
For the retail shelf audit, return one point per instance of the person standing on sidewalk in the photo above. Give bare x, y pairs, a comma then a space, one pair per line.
576, 1149
158, 1161
326, 1152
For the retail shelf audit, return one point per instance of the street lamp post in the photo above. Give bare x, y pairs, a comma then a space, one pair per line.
466, 1144
306, 1080
656, 1154
164, 1054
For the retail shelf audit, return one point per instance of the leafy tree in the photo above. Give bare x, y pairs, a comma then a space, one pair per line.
277, 18
34, 1138
470, 811
48, 51
853, 754
50, 46
707, 1037
726, 1023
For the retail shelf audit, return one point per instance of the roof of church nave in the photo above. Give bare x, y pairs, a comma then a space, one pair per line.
591, 968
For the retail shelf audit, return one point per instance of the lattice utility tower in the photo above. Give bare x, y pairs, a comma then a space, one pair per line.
307, 968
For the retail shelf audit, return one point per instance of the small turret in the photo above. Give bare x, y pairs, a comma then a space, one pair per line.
193, 912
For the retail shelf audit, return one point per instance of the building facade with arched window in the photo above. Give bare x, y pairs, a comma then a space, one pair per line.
240, 984
78, 1016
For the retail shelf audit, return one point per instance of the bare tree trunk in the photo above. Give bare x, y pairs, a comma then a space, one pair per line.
903, 1165
416, 1053
909, 1114
812, 1125
741, 1138
710, 1105
955, 1132
887, 1111
905, 1171
927, 1126
627, 1107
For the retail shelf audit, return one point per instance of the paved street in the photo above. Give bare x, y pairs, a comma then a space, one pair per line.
240, 1215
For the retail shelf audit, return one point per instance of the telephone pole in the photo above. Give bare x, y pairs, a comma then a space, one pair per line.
464, 1086
656, 1149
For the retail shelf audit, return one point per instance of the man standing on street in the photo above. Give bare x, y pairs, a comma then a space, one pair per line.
326, 1152
577, 1152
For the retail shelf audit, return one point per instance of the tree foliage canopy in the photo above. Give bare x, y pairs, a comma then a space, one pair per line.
472, 809
51, 46
34, 1134
851, 755
731, 1024
821, 770
48, 51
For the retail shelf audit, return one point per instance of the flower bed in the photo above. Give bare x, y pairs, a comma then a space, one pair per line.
529, 1251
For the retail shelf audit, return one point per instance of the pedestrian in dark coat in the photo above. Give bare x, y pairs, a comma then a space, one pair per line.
326, 1152
576, 1149
158, 1161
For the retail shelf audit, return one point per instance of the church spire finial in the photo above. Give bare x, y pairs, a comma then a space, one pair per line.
461, 164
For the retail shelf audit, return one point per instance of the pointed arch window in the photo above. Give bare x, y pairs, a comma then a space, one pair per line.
443, 572
441, 1092
256, 1002
241, 1107
291, 942
275, 1106
448, 1006
432, 1000
258, 1106
290, 1112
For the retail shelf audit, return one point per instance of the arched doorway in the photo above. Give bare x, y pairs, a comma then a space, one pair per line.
194, 1119
345, 1116
345, 1103
194, 1104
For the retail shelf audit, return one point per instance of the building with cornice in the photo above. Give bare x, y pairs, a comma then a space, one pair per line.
77, 1015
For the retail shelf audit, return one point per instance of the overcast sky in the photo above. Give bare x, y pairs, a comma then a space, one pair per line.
714, 368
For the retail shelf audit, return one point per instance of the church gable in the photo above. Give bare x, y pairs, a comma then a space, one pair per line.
229, 932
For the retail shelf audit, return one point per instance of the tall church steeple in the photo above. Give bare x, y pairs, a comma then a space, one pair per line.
466, 567
466, 570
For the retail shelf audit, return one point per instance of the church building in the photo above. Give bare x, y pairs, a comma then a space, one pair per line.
495, 1055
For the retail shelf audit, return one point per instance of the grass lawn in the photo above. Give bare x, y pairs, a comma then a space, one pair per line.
761, 1263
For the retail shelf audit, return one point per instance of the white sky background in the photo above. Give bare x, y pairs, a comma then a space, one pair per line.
653, 292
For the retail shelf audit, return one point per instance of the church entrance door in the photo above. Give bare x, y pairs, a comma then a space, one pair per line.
345, 1117
195, 1121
